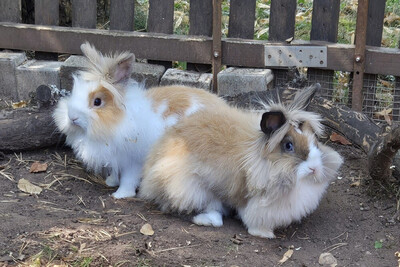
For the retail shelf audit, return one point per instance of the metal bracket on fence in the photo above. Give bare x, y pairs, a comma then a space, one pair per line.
296, 56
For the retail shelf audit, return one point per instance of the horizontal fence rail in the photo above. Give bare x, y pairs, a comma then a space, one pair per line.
190, 48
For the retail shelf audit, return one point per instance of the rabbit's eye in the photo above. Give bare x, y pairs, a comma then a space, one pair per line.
97, 102
288, 146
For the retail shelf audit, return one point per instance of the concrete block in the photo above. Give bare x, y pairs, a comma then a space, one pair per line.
233, 81
8, 81
34, 73
69, 67
188, 78
150, 74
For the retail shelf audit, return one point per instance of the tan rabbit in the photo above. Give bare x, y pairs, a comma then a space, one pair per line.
269, 166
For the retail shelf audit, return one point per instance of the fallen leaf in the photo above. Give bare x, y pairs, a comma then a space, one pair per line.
378, 244
337, 138
147, 230
327, 259
287, 255
386, 114
397, 254
27, 187
20, 104
355, 184
38, 167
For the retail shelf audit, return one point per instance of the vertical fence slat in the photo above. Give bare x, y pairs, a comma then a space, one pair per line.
242, 14
161, 20
46, 13
84, 13
376, 13
161, 16
324, 27
200, 19
217, 44
359, 55
122, 15
10, 10
281, 27
396, 98
282, 19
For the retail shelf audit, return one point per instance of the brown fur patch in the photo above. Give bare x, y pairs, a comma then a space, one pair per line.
179, 99
109, 113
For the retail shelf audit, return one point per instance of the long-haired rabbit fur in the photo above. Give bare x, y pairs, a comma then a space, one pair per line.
111, 121
268, 166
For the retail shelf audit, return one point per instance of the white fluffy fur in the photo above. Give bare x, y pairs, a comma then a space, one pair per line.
123, 146
221, 157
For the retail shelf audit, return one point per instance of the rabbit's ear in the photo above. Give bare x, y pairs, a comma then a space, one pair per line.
272, 121
303, 98
95, 57
122, 69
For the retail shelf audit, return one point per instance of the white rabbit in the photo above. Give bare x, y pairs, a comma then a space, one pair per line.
268, 166
111, 121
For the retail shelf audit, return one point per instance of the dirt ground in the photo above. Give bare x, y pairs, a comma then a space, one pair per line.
74, 221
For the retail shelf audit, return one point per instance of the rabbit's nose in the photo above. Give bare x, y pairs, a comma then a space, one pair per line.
73, 119
312, 170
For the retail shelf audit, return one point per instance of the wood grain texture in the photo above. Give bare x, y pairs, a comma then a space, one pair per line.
10, 10
161, 20
282, 19
200, 23
84, 13
46, 12
122, 15
324, 27
161, 16
241, 19
246, 53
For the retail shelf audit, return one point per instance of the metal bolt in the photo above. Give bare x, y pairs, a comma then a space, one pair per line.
321, 62
216, 54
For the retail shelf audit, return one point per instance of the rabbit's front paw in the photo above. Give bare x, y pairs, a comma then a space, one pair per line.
123, 192
213, 218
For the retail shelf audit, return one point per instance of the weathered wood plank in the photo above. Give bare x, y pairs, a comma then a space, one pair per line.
161, 20
10, 10
282, 19
122, 15
246, 53
46, 12
376, 13
200, 23
324, 27
84, 13
242, 14
281, 26
161, 16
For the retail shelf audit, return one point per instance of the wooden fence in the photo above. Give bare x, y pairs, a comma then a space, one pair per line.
204, 46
